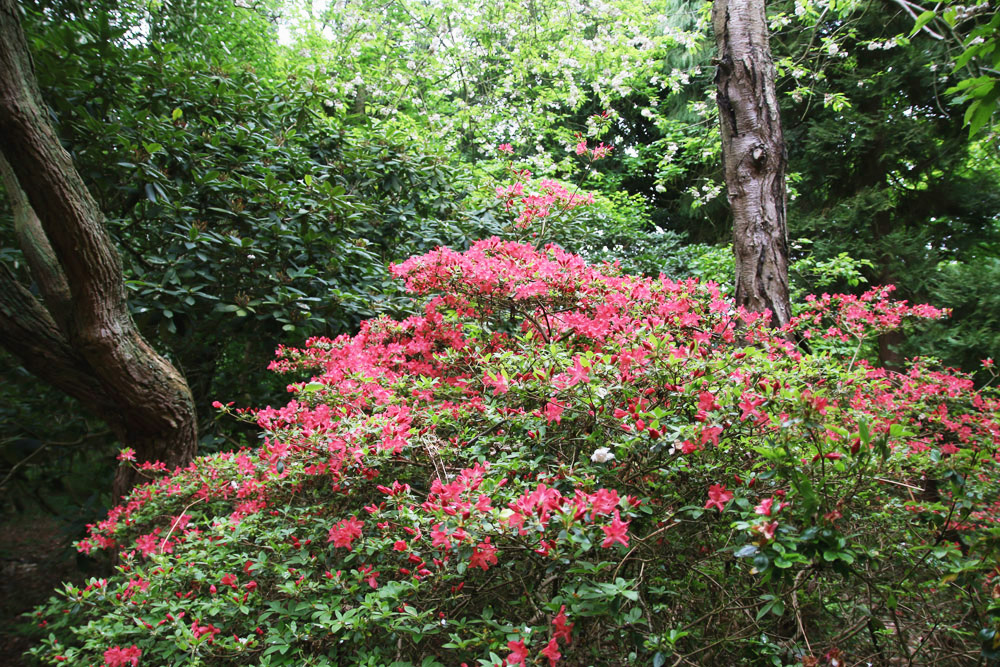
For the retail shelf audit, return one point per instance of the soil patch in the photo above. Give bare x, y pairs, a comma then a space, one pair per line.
35, 557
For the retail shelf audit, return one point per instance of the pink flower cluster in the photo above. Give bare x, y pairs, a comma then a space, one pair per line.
117, 656
847, 317
448, 448
596, 153
562, 632
550, 196
544, 502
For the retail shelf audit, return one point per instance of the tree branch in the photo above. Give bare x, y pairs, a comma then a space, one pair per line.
41, 259
29, 333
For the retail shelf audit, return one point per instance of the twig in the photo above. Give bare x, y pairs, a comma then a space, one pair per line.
177, 521
890, 481
907, 8
641, 539
798, 612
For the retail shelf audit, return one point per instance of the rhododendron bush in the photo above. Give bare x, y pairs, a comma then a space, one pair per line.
558, 464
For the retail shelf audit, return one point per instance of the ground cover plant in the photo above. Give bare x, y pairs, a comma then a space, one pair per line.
558, 464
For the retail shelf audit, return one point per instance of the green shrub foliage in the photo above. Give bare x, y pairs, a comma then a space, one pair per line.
555, 463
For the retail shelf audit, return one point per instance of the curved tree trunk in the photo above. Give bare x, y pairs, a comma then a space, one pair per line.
82, 341
753, 156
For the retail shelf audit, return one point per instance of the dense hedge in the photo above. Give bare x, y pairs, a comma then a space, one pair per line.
559, 464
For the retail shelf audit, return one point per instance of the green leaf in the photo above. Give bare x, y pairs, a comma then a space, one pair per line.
982, 109
177, 113
863, 432
921, 21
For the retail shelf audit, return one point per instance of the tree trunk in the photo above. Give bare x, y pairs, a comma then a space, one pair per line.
753, 156
83, 342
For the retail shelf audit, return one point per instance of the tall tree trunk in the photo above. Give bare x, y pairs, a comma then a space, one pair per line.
753, 156
84, 341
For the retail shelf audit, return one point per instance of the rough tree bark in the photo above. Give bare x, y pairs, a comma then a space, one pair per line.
753, 156
80, 337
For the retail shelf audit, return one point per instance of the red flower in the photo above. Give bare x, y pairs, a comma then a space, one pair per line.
439, 537
553, 411
563, 629
718, 496
121, 657
551, 651
578, 374
483, 555
344, 532
767, 529
518, 653
616, 532
764, 508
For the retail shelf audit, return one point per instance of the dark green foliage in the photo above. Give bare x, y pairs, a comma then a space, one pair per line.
243, 211
889, 175
973, 332
244, 214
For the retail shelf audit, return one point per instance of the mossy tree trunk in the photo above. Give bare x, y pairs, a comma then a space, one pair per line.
80, 337
753, 156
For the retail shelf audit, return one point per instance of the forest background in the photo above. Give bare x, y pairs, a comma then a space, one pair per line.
260, 164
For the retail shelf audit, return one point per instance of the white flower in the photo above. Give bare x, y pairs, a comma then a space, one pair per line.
602, 455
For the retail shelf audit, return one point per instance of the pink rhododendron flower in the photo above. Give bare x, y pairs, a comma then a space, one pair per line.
498, 381
344, 532
563, 629
615, 533
603, 501
578, 373
551, 651
518, 653
505, 148
764, 507
483, 555
553, 411
601, 151
439, 537
718, 496
767, 529
117, 656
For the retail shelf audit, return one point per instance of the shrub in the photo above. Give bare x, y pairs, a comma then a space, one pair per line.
558, 464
